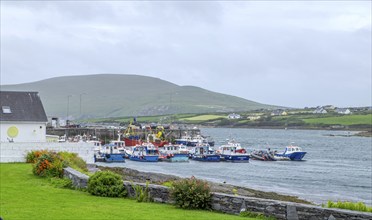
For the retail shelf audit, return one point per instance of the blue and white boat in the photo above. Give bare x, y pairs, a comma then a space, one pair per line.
174, 153
109, 153
291, 152
229, 153
204, 153
145, 153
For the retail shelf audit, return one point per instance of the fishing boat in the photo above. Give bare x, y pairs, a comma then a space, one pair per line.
146, 152
183, 140
173, 153
228, 153
131, 138
203, 152
291, 152
238, 147
109, 153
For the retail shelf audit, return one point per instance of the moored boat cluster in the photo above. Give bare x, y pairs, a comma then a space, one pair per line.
181, 150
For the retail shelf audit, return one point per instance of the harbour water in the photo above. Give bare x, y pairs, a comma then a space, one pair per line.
336, 166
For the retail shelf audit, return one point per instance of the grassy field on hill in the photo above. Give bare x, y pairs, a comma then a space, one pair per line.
342, 120
202, 118
25, 196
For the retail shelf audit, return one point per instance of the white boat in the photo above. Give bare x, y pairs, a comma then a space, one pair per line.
233, 152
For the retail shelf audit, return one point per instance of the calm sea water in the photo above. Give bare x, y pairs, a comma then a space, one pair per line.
335, 167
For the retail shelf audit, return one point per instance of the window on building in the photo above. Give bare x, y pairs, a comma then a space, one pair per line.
6, 110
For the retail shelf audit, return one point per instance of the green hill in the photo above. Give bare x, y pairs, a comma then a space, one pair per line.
113, 95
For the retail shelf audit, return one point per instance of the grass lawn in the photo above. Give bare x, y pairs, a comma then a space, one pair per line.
342, 120
25, 196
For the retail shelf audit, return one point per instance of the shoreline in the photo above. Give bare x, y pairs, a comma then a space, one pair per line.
129, 174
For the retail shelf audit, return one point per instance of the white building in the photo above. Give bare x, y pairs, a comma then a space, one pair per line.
233, 116
22, 117
320, 111
344, 111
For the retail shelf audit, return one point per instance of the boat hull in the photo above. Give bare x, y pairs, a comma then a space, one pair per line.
297, 155
176, 158
147, 158
132, 141
206, 158
160, 143
235, 158
112, 158
293, 156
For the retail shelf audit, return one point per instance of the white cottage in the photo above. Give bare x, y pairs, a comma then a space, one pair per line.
22, 117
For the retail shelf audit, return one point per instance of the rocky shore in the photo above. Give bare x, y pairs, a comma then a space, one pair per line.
160, 179
364, 134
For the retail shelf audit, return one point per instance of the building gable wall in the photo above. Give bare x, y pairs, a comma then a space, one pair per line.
23, 131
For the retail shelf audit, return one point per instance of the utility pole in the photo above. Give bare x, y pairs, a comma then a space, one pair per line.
68, 107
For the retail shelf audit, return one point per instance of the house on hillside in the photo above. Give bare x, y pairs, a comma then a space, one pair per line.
233, 116
344, 111
23, 117
320, 111
329, 107
279, 112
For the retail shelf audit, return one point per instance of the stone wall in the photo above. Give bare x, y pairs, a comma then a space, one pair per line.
79, 180
281, 210
157, 193
235, 204
16, 152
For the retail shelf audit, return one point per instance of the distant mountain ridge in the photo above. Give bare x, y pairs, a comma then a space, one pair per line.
115, 95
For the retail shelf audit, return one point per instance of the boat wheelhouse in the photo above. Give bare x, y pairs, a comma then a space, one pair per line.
173, 153
204, 153
144, 153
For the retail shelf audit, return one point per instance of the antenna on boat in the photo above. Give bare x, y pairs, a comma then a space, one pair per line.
119, 135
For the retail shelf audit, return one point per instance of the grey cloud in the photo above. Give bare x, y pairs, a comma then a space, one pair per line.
291, 56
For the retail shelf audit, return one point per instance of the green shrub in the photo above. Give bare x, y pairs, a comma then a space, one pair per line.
191, 194
357, 206
142, 194
106, 184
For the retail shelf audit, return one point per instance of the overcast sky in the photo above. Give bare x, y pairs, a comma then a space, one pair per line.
288, 53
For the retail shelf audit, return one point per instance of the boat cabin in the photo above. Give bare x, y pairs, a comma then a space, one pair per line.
291, 149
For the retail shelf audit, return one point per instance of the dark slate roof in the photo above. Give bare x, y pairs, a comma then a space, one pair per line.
24, 106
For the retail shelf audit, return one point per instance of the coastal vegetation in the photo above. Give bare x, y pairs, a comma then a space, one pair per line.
341, 120
168, 180
191, 193
142, 194
50, 164
356, 206
26, 196
106, 184
295, 119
